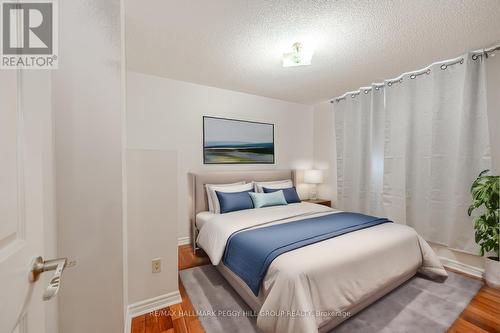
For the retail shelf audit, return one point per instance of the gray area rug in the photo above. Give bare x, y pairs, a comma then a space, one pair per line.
419, 305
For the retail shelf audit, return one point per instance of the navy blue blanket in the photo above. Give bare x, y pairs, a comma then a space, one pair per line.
250, 252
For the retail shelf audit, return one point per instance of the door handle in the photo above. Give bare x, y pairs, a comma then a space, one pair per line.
38, 266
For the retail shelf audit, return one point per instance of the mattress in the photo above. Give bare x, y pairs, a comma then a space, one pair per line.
317, 281
202, 218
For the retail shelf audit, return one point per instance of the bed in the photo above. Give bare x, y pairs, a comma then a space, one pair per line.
315, 287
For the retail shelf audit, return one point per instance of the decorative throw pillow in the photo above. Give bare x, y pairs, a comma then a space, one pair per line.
268, 199
233, 201
290, 194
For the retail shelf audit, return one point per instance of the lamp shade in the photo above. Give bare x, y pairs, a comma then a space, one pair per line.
313, 176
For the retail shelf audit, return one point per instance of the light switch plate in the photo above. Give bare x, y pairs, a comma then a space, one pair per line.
156, 265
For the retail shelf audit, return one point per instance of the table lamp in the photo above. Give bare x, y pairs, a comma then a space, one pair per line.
313, 177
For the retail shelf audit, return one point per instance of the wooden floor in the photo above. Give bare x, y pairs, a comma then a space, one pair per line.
481, 315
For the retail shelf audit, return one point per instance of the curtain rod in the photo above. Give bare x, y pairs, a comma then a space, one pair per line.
444, 65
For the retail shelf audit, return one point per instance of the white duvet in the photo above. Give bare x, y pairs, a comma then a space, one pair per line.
305, 287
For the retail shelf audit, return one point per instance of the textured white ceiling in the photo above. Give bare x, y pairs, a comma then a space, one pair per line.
238, 44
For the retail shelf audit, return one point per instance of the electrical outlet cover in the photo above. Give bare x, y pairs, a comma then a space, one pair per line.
156, 265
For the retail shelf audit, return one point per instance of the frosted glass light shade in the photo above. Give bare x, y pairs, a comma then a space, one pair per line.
299, 56
313, 176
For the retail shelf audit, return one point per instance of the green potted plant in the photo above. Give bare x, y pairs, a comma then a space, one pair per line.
485, 198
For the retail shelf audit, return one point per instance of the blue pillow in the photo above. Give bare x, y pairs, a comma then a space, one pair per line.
233, 201
268, 199
290, 193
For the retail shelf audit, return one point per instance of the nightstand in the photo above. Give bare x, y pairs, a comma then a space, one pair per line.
319, 202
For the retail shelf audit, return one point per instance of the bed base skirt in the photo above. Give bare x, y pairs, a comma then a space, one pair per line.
255, 303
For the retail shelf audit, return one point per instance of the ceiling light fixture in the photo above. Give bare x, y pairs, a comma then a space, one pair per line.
299, 56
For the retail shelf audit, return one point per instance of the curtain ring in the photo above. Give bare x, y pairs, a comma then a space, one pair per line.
444, 66
413, 76
428, 71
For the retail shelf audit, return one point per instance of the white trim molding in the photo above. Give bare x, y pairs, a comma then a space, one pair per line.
150, 305
461, 267
183, 240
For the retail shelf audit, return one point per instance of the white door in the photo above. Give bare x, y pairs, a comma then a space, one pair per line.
27, 227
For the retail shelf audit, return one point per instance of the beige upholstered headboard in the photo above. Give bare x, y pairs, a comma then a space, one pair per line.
198, 194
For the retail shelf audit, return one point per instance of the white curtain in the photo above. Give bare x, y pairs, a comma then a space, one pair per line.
359, 132
411, 148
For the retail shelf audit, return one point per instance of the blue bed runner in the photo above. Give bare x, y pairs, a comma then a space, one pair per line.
250, 252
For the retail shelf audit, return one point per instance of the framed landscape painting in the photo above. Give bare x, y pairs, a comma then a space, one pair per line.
231, 141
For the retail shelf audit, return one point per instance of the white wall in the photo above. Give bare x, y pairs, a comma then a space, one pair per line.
152, 223
86, 97
166, 114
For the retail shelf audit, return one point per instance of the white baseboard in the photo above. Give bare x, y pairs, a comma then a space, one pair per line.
183, 240
150, 305
461, 267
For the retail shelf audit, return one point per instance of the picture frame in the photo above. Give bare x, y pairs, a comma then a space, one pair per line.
235, 141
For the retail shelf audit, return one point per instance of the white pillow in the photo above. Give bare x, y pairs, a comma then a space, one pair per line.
275, 185
210, 196
213, 200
